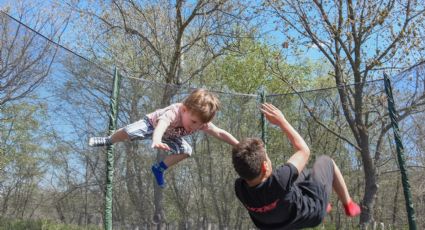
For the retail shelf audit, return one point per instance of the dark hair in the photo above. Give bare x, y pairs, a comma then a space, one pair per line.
247, 158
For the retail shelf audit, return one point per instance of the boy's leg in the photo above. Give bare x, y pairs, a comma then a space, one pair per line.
339, 185
351, 208
181, 150
327, 172
323, 172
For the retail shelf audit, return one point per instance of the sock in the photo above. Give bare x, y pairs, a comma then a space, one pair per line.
352, 209
100, 141
163, 166
108, 141
329, 208
158, 171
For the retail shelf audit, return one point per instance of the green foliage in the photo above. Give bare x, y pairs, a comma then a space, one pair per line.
327, 226
248, 70
255, 65
18, 224
20, 137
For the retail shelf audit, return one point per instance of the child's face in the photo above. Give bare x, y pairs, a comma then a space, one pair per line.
190, 120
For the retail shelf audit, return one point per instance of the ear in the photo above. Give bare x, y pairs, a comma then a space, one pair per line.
264, 167
184, 108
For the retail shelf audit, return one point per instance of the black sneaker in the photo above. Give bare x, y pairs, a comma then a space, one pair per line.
99, 141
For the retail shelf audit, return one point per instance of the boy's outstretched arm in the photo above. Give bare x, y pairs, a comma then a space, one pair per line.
221, 134
300, 158
157, 136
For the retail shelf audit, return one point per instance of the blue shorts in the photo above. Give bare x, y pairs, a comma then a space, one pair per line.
143, 130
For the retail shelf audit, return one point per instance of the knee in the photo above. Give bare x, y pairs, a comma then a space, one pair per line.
187, 151
184, 155
325, 160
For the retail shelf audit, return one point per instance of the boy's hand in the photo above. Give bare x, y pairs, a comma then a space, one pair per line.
161, 145
272, 114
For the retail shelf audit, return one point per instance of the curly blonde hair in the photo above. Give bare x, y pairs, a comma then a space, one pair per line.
202, 103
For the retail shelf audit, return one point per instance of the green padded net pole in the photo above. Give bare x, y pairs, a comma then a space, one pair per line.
110, 151
400, 155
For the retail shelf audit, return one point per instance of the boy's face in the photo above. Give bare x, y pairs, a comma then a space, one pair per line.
190, 120
266, 168
269, 164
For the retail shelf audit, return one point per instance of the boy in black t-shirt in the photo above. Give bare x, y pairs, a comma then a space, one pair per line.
290, 197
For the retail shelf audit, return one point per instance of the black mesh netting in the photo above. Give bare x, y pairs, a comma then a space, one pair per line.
48, 170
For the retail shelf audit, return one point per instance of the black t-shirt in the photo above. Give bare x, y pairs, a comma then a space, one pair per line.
282, 201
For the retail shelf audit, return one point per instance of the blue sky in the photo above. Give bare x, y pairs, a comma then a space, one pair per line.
60, 124
274, 38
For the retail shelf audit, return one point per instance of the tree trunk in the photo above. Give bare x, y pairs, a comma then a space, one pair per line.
394, 216
159, 215
136, 189
371, 187
60, 212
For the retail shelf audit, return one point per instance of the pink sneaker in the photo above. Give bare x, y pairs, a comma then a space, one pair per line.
329, 208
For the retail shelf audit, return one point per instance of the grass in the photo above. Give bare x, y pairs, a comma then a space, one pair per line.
19, 224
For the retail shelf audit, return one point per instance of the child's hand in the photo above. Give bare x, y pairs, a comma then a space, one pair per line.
272, 114
161, 145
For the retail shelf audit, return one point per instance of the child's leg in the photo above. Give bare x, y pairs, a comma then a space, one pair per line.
181, 150
141, 129
158, 169
171, 160
118, 136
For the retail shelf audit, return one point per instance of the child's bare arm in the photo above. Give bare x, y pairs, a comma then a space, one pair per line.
221, 134
157, 136
302, 152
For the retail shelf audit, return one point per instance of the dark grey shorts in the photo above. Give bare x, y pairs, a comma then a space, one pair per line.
323, 173
143, 130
